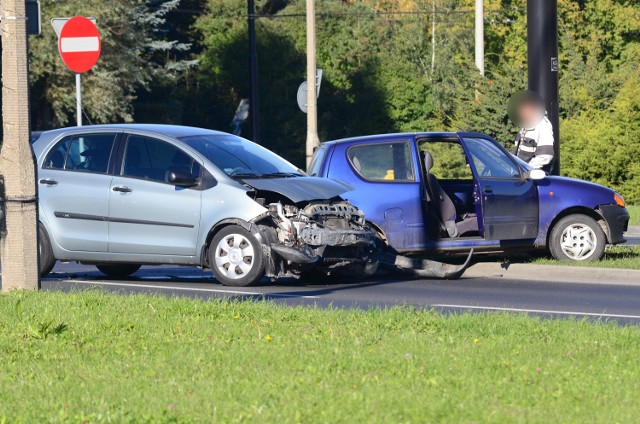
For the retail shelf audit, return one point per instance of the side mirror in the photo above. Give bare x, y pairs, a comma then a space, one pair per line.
536, 174
181, 179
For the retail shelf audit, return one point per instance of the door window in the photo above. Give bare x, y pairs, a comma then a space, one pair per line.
383, 162
152, 159
83, 153
489, 160
449, 160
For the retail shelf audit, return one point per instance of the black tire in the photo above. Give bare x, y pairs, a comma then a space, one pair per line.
118, 270
577, 237
235, 257
47, 259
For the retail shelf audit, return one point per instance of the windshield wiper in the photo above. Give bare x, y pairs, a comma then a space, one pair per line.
281, 175
246, 175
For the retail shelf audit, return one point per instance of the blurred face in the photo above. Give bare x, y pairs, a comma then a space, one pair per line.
530, 114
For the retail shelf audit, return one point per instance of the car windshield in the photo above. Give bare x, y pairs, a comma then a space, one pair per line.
241, 158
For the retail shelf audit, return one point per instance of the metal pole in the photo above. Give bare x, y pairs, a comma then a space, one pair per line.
433, 36
78, 100
480, 35
312, 110
542, 39
253, 71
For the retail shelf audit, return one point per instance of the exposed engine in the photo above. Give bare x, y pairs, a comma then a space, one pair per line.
322, 235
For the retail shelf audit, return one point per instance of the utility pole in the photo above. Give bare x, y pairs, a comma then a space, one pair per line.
433, 36
480, 36
253, 71
19, 234
312, 104
542, 40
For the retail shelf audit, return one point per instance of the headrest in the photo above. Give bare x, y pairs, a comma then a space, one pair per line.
428, 161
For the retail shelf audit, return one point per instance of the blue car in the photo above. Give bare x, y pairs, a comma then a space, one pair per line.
448, 192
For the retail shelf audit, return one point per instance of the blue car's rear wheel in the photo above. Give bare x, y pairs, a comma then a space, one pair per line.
235, 257
577, 237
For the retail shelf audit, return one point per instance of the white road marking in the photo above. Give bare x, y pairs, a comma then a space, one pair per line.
536, 311
79, 44
193, 289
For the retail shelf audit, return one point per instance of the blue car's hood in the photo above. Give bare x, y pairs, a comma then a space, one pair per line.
300, 189
582, 192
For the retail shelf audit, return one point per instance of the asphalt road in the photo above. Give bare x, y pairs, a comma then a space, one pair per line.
633, 241
607, 301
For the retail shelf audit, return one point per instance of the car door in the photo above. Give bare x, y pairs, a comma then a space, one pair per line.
387, 190
147, 214
73, 188
506, 200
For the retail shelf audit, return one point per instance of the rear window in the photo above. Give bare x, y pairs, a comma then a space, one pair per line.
383, 162
81, 153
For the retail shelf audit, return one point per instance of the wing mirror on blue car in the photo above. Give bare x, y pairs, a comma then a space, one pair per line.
536, 174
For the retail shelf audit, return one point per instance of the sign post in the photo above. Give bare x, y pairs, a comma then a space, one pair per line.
79, 45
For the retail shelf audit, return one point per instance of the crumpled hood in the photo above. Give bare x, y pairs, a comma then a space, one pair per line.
301, 189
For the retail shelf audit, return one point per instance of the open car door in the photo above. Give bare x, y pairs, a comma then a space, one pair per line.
506, 200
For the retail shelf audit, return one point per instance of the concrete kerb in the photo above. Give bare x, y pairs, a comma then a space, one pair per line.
633, 231
557, 273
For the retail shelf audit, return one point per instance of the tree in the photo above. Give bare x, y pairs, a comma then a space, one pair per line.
135, 51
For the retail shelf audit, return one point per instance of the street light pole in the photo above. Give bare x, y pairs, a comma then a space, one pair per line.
19, 225
480, 35
542, 40
253, 71
312, 106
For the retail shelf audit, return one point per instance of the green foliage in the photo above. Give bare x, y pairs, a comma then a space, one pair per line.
133, 359
134, 52
634, 212
382, 73
39, 330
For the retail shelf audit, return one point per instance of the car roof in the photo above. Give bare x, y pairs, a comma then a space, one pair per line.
400, 136
168, 130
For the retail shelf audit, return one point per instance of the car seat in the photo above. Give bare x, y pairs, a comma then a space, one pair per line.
454, 225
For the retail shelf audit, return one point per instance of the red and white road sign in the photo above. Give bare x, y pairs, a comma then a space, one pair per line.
79, 44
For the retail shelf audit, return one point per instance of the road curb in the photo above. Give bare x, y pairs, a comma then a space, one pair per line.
633, 231
555, 273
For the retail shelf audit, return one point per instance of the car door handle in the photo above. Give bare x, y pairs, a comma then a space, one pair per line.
488, 190
48, 181
122, 189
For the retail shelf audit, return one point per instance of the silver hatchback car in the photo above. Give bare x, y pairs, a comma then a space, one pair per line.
120, 196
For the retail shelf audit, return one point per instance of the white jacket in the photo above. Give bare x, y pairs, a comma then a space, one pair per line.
536, 144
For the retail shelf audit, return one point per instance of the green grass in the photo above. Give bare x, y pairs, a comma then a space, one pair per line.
626, 257
94, 357
634, 211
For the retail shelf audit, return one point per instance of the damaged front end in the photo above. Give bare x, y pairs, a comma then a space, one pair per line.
329, 236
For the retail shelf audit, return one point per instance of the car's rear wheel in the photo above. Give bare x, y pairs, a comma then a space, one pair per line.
577, 237
47, 259
118, 270
235, 257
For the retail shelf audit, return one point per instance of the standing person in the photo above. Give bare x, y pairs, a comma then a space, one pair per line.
534, 142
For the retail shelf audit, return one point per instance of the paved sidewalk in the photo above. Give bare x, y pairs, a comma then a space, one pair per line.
633, 231
558, 273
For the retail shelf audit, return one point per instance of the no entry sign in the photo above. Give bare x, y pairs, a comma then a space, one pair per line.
79, 44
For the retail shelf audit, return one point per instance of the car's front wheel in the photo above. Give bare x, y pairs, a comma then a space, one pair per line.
118, 270
577, 237
235, 257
